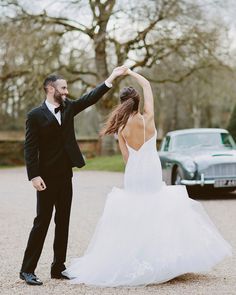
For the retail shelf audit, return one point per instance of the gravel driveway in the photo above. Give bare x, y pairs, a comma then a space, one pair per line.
17, 210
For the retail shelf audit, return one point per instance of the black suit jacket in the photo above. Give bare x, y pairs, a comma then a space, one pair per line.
49, 147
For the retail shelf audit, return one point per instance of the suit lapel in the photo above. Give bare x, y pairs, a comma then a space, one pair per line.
63, 114
48, 114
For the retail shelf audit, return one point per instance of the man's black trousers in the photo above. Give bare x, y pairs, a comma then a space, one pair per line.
58, 195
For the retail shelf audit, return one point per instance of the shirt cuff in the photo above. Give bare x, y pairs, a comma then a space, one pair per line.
109, 85
33, 178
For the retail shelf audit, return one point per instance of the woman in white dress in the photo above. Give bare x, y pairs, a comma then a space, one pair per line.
149, 232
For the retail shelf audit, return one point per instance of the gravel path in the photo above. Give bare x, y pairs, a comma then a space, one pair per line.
17, 210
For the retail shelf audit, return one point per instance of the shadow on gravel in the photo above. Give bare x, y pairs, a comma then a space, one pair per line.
211, 194
188, 278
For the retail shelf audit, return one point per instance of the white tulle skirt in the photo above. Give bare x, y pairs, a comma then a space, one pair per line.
142, 239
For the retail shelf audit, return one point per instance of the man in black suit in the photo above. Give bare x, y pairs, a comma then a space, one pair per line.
51, 151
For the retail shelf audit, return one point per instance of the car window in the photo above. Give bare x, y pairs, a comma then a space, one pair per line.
227, 140
203, 140
166, 144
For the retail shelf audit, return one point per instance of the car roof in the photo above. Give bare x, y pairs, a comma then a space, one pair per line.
196, 130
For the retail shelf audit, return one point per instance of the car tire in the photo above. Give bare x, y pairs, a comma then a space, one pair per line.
177, 176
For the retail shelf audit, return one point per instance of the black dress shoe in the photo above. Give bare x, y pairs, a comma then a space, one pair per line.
30, 278
59, 276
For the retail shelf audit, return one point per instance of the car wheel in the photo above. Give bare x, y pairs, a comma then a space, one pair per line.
177, 176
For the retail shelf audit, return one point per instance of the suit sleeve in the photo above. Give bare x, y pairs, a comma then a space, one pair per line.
89, 99
31, 147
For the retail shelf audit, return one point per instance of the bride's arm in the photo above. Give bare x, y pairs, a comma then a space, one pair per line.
147, 93
123, 147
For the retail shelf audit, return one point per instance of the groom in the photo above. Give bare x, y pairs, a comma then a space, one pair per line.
51, 151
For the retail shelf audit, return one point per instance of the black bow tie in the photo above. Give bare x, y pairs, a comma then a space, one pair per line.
60, 108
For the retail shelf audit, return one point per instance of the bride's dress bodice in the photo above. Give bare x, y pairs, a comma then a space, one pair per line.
143, 171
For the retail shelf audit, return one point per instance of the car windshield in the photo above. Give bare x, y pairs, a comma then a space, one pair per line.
203, 140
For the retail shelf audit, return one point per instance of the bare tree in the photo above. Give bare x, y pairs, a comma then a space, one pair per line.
171, 34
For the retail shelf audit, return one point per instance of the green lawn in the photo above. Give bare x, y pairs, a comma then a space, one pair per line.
10, 166
108, 163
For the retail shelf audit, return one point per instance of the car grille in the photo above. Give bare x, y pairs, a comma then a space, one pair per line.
220, 170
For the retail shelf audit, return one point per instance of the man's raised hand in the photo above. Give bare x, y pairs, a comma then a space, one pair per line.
120, 71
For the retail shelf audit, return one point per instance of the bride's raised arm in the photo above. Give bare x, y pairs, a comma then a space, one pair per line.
147, 93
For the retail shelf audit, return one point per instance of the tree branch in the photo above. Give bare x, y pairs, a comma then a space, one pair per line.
181, 78
14, 74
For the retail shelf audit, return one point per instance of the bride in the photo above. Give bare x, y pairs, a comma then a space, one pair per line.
149, 232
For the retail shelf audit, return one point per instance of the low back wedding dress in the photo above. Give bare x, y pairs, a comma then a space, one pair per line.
149, 232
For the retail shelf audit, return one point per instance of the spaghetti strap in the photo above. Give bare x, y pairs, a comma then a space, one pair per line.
144, 135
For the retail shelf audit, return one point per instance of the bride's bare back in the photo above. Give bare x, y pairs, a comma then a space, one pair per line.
134, 132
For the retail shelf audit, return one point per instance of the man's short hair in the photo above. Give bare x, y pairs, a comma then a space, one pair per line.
50, 80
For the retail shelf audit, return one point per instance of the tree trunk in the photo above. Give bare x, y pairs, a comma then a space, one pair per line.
232, 123
196, 115
108, 143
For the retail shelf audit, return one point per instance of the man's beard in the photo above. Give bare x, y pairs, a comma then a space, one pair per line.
58, 97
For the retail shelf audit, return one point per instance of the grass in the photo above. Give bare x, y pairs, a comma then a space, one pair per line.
105, 163
109, 163
10, 166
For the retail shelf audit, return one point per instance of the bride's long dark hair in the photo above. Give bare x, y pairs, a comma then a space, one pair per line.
129, 105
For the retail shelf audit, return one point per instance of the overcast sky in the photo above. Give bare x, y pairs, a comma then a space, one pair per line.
224, 9
221, 10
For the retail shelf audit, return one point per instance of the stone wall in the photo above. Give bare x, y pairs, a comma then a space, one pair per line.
12, 151
12, 148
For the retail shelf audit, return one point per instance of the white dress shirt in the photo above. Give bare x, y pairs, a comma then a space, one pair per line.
109, 85
51, 108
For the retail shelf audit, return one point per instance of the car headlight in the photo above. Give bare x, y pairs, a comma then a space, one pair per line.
190, 166
191, 174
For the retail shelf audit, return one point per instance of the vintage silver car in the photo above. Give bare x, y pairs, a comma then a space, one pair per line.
199, 157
